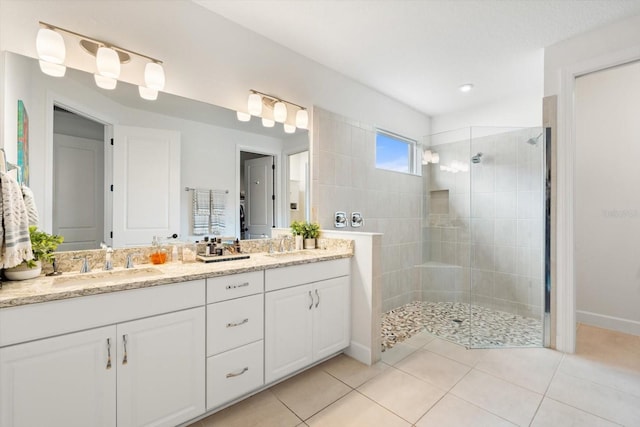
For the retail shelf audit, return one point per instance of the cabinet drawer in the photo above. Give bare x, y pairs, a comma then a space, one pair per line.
234, 373
280, 278
234, 323
234, 286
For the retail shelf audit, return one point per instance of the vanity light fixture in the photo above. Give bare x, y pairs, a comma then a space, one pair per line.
429, 156
466, 87
259, 101
268, 123
52, 51
242, 116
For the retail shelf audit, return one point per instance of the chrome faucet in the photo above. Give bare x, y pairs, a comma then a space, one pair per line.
108, 265
130, 260
85, 264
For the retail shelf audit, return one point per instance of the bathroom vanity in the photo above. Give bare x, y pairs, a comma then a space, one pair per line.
166, 348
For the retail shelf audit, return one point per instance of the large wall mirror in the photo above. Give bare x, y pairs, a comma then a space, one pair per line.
176, 165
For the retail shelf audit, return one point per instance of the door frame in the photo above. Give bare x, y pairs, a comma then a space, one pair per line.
277, 177
53, 99
286, 173
566, 155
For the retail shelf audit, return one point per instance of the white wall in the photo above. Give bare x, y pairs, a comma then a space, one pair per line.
607, 198
206, 57
599, 49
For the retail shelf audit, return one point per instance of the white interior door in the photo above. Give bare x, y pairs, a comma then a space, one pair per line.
146, 180
260, 196
78, 191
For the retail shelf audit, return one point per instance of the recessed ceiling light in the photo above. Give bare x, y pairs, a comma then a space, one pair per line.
466, 87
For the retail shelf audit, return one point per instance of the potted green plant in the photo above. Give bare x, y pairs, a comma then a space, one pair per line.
43, 246
311, 231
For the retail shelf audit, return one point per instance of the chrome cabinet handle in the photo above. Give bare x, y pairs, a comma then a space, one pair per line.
241, 285
108, 353
124, 342
318, 296
237, 374
233, 325
311, 298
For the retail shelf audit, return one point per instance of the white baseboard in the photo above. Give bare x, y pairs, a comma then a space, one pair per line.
608, 322
359, 352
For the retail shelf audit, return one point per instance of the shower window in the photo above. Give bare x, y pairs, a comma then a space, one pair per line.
395, 153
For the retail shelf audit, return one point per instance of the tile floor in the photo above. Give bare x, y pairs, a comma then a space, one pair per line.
426, 381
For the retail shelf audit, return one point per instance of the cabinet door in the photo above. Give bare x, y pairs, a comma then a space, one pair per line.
288, 331
61, 381
161, 369
331, 316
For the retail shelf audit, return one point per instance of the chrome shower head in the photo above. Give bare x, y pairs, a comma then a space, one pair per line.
477, 158
534, 141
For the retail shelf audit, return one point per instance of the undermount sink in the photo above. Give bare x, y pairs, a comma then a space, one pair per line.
108, 276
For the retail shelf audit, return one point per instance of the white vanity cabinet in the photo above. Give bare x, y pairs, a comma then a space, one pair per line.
235, 332
148, 371
307, 315
62, 381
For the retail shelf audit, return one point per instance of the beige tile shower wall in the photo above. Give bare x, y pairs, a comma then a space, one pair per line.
493, 232
344, 178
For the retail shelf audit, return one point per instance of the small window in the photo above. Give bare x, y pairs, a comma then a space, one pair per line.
395, 153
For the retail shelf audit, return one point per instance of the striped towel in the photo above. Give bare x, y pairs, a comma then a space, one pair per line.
218, 206
30, 204
201, 211
15, 241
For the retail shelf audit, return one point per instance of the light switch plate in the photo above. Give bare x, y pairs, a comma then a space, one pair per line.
340, 220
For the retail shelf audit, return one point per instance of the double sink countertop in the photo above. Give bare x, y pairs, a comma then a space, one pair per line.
72, 285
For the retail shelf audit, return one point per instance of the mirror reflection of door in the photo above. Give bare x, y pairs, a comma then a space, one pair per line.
260, 195
298, 187
78, 180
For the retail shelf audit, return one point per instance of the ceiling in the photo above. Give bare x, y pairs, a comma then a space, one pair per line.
420, 52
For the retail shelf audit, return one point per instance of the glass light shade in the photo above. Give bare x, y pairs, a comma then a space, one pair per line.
268, 123
108, 62
243, 117
154, 76
427, 156
50, 46
147, 93
435, 158
280, 112
289, 128
254, 104
105, 82
55, 70
302, 119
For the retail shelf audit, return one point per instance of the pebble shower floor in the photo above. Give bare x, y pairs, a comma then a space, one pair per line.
465, 324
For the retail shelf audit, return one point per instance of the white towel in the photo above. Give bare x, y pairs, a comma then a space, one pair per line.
30, 204
16, 243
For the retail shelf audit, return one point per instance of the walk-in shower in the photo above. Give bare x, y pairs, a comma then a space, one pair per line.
483, 271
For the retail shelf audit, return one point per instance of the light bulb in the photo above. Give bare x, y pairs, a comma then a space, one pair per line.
154, 76
50, 46
242, 116
289, 128
148, 94
268, 123
108, 62
302, 119
254, 104
105, 82
279, 112
54, 70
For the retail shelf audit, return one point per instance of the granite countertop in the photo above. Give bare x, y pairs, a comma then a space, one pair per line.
72, 285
